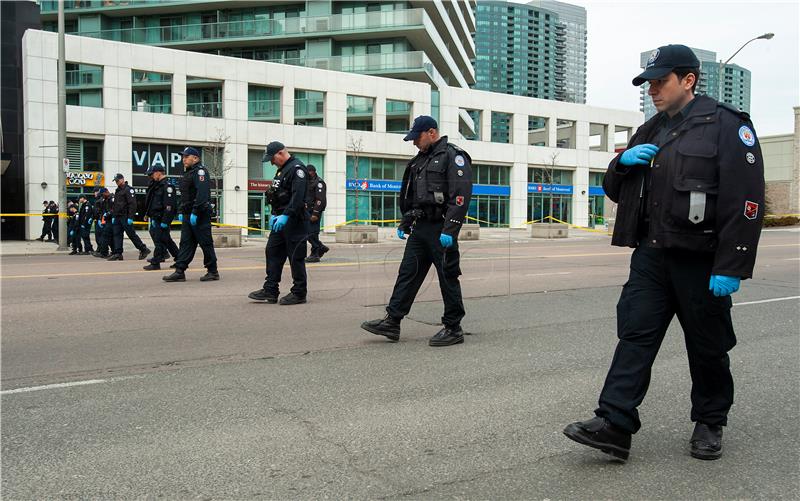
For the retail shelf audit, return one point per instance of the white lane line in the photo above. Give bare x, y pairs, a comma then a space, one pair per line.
546, 274
793, 259
53, 386
768, 300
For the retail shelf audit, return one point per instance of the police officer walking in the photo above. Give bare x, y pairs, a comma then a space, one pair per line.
690, 195
105, 241
434, 198
195, 216
85, 218
123, 208
46, 223
316, 203
287, 240
160, 210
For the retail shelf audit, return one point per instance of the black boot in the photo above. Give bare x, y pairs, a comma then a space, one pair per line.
599, 433
114, 257
292, 298
151, 267
175, 276
447, 336
388, 326
313, 258
706, 441
262, 295
143, 253
210, 276
73, 253
322, 251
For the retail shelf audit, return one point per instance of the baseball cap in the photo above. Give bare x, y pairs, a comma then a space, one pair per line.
420, 125
190, 151
665, 59
118, 177
272, 148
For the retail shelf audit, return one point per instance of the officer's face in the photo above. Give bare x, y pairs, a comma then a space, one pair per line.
671, 93
119, 182
280, 158
426, 139
189, 160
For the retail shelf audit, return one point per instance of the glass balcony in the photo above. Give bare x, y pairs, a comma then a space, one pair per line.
84, 78
208, 109
146, 107
264, 110
309, 108
51, 6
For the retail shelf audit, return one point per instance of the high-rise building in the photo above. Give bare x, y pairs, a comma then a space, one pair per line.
536, 49
735, 88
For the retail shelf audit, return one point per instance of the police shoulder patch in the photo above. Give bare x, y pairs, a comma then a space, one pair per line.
319, 185
169, 189
747, 136
201, 172
300, 173
751, 159
459, 160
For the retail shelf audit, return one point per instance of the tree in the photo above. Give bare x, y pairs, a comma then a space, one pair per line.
356, 146
214, 158
549, 174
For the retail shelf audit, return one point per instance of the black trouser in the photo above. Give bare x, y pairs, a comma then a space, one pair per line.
662, 284
162, 241
191, 237
54, 224
121, 225
85, 236
106, 239
98, 234
47, 228
423, 249
313, 236
289, 243
74, 240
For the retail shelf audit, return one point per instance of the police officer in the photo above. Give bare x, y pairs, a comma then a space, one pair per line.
316, 203
46, 223
690, 195
160, 209
73, 230
97, 214
195, 216
53, 209
287, 240
104, 226
85, 218
123, 208
434, 197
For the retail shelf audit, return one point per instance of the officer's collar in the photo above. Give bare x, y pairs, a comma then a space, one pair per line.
287, 162
438, 146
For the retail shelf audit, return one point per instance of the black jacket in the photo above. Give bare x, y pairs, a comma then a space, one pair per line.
287, 194
85, 213
160, 201
195, 190
439, 181
316, 200
712, 159
123, 202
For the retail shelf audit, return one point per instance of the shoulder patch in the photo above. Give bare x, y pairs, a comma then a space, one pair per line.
201, 172
319, 185
459, 160
747, 136
169, 189
300, 173
751, 159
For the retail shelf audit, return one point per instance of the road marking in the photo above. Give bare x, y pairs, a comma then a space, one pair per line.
546, 274
53, 386
769, 300
793, 259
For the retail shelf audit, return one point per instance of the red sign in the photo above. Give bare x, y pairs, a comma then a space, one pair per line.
258, 185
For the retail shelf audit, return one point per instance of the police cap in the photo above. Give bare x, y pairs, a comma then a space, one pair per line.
190, 151
420, 125
311, 168
272, 148
118, 177
665, 59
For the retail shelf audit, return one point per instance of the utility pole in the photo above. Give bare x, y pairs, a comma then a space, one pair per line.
62, 132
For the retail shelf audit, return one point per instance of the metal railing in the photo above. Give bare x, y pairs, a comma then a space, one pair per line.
152, 108
264, 109
208, 109
84, 78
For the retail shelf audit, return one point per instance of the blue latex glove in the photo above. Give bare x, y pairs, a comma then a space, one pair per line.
639, 155
71, 232
89, 222
180, 217
113, 220
722, 285
164, 225
130, 222
100, 225
280, 222
446, 240
272, 220
193, 219
401, 234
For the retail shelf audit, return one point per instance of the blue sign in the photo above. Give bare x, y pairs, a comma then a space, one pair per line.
394, 186
596, 191
559, 189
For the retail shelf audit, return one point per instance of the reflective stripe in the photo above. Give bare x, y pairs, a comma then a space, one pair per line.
697, 206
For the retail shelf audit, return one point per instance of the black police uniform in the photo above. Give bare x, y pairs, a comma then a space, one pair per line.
161, 205
286, 196
123, 207
97, 215
85, 215
434, 198
696, 211
47, 224
54, 223
195, 199
316, 202
73, 232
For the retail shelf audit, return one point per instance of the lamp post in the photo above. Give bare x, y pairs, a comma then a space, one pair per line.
62, 132
765, 36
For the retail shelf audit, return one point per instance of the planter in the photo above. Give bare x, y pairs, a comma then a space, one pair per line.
549, 230
357, 234
226, 237
469, 232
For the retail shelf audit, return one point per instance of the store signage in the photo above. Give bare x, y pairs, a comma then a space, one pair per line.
559, 189
394, 186
85, 179
258, 184
595, 191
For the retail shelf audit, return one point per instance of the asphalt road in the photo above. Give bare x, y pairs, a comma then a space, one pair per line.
190, 390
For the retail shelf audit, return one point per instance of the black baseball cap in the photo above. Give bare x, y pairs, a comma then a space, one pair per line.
118, 177
420, 125
190, 151
272, 148
665, 59
311, 168
156, 168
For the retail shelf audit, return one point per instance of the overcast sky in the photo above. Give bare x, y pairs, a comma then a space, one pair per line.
618, 31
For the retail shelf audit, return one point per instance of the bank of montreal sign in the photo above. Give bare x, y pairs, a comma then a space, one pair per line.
394, 186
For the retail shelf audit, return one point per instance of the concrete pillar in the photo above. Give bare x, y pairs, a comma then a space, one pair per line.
287, 105
179, 93
519, 195
794, 186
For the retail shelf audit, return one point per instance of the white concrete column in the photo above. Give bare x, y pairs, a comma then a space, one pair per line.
335, 177
580, 193
486, 125
610, 137
179, 93
518, 205
287, 105
379, 114
552, 131
581, 135
235, 202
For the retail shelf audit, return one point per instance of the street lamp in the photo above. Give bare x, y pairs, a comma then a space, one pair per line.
765, 36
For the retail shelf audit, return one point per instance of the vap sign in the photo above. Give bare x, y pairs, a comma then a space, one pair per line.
145, 157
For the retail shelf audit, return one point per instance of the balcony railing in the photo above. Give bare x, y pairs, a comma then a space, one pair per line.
305, 108
365, 63
264, 109
152, 108
84, 78
209, 109
51, 6
257, 28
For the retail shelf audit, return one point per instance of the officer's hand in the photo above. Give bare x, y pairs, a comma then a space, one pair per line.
401, 234
151, 224
722, 285
446, 240
280, 222
89, 222
130, 222
71, 232
180, 217
113, 220
272, 220
164, 225
193, 219
639, 155
314, 218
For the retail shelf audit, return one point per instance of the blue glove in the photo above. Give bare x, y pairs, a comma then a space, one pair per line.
151, 224
89, 222
113, 220
71, 232
100, 225
723, 286
280, 222
446, 240
401, 234
272, 220
130, 222
164, 225
180, 217
193, 219
639, 155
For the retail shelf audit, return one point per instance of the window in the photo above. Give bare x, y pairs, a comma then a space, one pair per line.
501, 127
203, 97
84, 85
398, 116
151, 92
538, 131
264, 103
598, 137
85, 154
360, 111
309, 108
